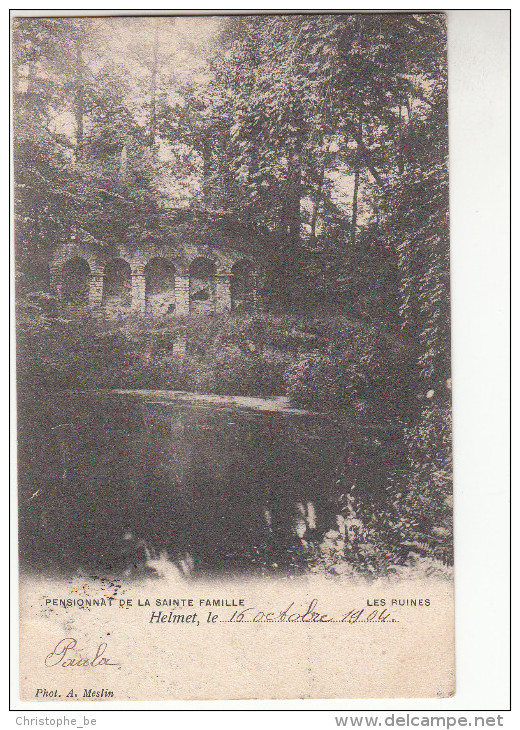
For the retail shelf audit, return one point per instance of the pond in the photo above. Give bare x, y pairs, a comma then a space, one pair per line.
120, 482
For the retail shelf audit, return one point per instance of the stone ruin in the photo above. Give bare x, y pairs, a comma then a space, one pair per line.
196, 272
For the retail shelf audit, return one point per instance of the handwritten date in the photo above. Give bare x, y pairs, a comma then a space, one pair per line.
310, 614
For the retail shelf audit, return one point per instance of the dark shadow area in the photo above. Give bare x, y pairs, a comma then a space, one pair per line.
107, 483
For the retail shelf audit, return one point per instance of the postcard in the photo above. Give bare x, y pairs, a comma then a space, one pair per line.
233, 356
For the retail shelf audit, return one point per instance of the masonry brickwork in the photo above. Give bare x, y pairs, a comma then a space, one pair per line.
122, 279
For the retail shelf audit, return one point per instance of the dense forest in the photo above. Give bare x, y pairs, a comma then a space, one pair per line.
326, 133
324, 137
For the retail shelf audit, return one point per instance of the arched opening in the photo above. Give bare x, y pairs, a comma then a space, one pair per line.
117, 284
242, 286
76, 281
202, 286
160, 286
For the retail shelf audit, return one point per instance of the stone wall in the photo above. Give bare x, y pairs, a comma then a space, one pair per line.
177, 288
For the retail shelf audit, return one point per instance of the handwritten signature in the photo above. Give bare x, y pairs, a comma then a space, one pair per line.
65, 654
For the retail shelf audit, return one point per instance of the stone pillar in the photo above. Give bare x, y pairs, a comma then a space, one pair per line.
95, 293
179, 345
223, 293
182, 295
139, 293
55, 280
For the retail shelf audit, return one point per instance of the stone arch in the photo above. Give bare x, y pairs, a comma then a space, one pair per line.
202, 274
159, 276
117, 284
75, 281
242, 285
67, 250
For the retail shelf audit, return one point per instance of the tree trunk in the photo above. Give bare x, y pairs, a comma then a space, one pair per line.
366, 155
31, 78
317, 202
79, 106
290, 226
400, 158
291, 214
153, 87
206, 149
293, 199
356, 183
123, 162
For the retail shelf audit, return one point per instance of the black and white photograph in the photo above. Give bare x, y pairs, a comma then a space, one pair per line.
232, 282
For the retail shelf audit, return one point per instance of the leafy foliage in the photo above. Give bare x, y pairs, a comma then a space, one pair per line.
323, 136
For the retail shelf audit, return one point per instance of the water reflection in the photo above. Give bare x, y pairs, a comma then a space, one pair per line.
123, 484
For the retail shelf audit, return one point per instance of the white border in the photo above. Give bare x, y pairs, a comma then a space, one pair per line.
479, 154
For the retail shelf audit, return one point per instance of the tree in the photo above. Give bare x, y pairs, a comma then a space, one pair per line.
304, 129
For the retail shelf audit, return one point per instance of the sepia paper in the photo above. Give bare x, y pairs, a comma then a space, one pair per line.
234, 389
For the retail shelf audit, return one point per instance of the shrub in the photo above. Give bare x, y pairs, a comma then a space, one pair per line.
324, 381
424, 494
324, 361
255, 374
370, 378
